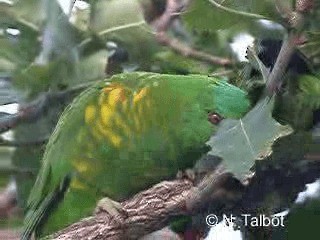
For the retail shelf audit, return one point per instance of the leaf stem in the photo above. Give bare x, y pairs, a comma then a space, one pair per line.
241, 13
110, 30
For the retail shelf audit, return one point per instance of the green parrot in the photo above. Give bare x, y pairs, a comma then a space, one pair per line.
123, 135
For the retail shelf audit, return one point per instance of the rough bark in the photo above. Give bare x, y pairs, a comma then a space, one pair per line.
149, 210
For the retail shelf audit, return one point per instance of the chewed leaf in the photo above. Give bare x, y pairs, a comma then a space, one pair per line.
240, 142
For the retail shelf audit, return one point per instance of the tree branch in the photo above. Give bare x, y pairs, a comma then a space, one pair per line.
186, 51
35, 109
162, 24
9, 143
8, 202
173, 9
148, 211
240, 13
296, 21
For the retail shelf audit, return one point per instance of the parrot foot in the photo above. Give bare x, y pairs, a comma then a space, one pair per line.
111, 207
186, 174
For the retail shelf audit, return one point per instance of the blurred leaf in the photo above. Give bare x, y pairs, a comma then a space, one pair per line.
91, 67
6, 167
80, 17
280, 152
27, 12
310, 91
312, 47
313, 150
6, 49
122, 21
60, 37
41, 78
30, 10
6, 66
252, 55
240, 142
108, 14
296, 105
172, 63
306, 217
35, 78
27, 159
19, 50
61, 74
7, 93
203, 15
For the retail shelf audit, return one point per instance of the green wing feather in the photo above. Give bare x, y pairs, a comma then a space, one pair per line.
121, 136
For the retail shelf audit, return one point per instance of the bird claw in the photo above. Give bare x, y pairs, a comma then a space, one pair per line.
111, 207
186, 174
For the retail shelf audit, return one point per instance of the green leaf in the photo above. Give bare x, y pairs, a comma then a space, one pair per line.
303, 216
7, 52
122, 21
90, 68
312, 47
7, 93
27, 12
5, 159
252, 55
204, 15
6, 66
20, 50
60, 74
26, 159
296, 105
55, 76
310, 91
281, 153
313, 149
172, 63
201, 15
109, 14
241, 142
60, 37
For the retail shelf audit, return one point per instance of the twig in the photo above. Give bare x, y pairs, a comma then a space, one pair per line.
230, 10
111, 30
36, 108
8, 202
162, 24
187, 51
283, 59
8, 143
296, 21
173, 7
284, 10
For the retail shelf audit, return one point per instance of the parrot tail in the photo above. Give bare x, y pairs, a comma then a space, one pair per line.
39, 212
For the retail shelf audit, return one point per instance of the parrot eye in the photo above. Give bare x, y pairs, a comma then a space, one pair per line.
214, 118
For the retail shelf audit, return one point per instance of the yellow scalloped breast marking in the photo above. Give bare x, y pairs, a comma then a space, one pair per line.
106, 120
